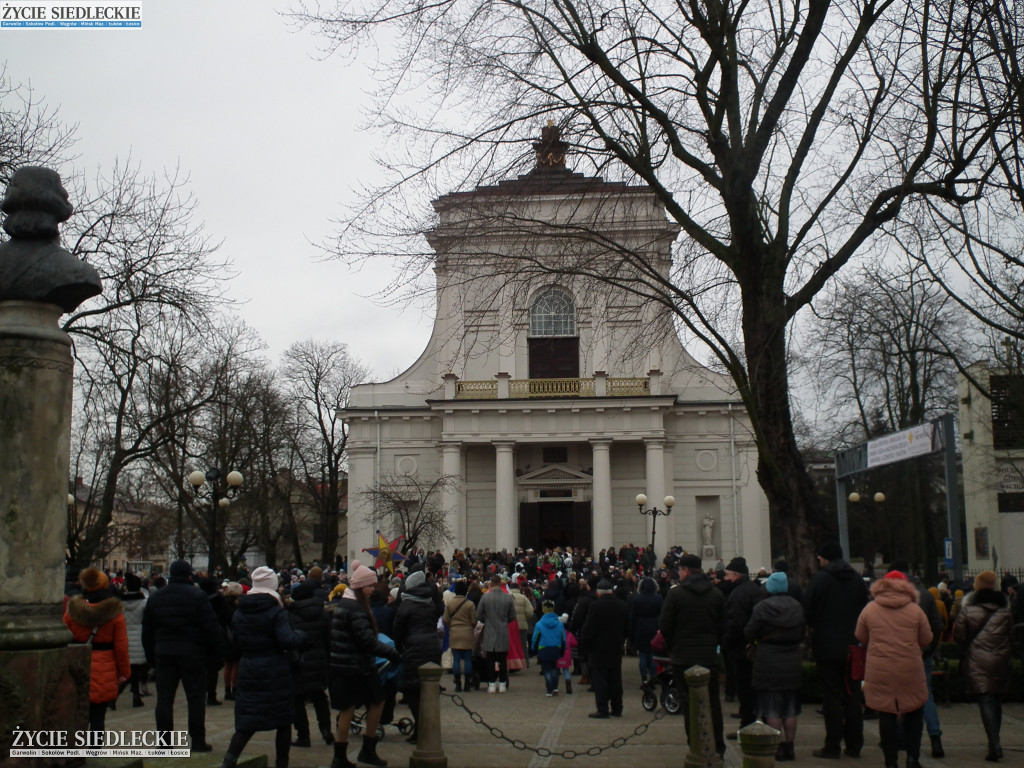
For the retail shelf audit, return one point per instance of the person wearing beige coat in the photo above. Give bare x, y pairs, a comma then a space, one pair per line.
460, 618
895, 629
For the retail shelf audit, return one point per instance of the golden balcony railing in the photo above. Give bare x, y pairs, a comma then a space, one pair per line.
521, 388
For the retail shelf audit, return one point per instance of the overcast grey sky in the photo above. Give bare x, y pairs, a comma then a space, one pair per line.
269, 135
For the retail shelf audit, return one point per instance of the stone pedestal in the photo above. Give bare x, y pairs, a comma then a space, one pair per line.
702, 753
707, 552
429, 752
35, 441
44, 685
44, 690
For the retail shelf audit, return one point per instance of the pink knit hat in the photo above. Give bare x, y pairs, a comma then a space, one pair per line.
362, 576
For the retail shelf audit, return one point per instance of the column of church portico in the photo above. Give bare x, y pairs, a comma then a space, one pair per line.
505, 513
672, 522
361, 477
601, 508
451, 466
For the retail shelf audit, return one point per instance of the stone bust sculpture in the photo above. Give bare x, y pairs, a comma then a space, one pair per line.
33, 265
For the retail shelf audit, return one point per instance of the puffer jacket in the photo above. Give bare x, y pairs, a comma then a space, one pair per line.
460, 618
308, 614
524, 610
983, 627
178, 620
777, 625
895, 630
109, 645
549, 633
416, 633
354, 644
264, 634
134, 605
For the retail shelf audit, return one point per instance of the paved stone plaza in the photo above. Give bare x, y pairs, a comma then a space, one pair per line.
561, 723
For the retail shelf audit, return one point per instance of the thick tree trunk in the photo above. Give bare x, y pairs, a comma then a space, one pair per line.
792, 499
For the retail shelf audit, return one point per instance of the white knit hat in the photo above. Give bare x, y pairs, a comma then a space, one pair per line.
264, 582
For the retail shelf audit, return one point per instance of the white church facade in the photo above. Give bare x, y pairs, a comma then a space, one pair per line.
555, 398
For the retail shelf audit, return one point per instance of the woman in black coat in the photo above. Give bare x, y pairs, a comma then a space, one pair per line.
416, 636
309, 674
264, 634
777, 627
644, 610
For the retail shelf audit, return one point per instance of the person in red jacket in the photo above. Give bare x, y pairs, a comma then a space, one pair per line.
97, 617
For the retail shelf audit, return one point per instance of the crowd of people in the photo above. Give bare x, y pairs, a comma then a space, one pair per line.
351, 639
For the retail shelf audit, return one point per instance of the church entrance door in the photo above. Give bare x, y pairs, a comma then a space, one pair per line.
551, 524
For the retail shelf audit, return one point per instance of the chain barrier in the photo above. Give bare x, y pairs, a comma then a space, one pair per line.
567, 754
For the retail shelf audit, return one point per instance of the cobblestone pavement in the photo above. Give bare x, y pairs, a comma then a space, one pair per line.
527, 718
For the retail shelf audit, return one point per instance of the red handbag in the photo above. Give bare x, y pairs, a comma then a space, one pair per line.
856, 659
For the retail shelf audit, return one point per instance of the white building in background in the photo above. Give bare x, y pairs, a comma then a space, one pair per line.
556, 400
992, 444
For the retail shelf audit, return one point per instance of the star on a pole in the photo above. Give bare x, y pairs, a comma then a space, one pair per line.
386, 552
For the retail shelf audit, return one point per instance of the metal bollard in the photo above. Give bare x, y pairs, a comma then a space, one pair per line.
702, 753
429, 752
758, 743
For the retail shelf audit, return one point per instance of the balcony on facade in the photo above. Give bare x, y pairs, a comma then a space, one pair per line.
503, 386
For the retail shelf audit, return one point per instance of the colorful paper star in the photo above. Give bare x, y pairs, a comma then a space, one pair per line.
386, 552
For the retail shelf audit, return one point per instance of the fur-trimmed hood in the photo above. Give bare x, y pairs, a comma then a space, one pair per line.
986, 597
894, 593
94, 614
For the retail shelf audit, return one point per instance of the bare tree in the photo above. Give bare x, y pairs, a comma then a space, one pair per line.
319, 377
784, 138
410, 507
30, 132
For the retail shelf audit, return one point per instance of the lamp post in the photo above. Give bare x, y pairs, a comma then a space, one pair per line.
855, 498
220, 495
654, 512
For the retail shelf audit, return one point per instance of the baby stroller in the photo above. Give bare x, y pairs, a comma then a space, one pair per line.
388, 673
669, 696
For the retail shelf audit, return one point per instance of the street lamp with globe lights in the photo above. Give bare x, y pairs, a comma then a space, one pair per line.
654, 512
220, 496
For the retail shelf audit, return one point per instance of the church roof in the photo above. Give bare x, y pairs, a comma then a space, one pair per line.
549, 176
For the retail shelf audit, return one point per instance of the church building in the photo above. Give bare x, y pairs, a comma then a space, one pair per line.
554, 388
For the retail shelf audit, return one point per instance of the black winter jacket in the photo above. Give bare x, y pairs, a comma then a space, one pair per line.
416, 633
354, 645
777, 624
309, 615
178, 620
739, 607
833, 602
692, 620
644, 610
603, 637
264, 634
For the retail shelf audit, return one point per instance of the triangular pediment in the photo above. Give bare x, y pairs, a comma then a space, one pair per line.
555, 475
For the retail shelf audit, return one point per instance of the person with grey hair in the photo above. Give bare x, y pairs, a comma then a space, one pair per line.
602, 640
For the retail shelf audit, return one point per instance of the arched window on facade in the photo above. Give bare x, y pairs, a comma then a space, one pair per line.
554, 345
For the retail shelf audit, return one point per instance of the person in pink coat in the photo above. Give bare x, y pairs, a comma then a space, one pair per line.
565, 662
895, 629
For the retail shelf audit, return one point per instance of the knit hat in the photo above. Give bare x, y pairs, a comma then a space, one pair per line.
132, 583
181, 570
264, 582
738, 565
604, 585
564, 618
417, 579
986, 580
316, 572
362, 577
548, 606
233, 589
899, 575
777, 583
93, 579
830, 550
